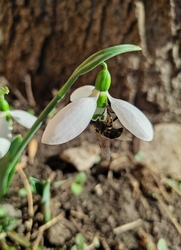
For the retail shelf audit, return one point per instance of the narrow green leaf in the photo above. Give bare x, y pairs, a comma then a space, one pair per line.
43, 189
103, 55
46, 191
7, 166
93, 61
36, 185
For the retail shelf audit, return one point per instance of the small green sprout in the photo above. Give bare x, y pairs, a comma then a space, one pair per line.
79, 243
162, 245
43, 189
77, 185
139, 156
22, 192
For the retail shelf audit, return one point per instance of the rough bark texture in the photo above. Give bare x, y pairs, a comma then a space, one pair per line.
47, 39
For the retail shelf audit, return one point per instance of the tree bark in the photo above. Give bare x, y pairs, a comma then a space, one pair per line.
48, 39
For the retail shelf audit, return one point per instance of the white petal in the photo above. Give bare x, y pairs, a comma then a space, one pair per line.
5, 144
24, 118
132, 119
81, 92
5, 127
70, 121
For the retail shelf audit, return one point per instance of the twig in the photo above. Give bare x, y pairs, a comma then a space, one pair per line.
136, 189
45, 227
19, 96
18, 238
156, 196
147, 240
21, 173
170, 215
77, 226
32, 150
175, 188
129, 226
103, 240
29, 91
79, 215
161, 187
105, 244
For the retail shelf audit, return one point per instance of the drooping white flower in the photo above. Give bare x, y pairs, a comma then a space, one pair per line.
75, 117
89, 103
22, 117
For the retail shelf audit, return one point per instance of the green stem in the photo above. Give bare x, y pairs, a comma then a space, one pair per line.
104, 65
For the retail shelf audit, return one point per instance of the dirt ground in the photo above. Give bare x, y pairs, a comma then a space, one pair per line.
124, 205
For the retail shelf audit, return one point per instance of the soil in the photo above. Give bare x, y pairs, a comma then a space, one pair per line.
123, 206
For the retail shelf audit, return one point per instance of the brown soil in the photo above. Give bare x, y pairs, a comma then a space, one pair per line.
124, 206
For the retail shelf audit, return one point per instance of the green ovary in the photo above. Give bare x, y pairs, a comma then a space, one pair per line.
103, 80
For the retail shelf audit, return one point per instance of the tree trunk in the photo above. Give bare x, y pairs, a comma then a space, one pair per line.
48, 39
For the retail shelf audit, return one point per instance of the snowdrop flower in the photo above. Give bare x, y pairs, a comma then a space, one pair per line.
90, 103
6, 115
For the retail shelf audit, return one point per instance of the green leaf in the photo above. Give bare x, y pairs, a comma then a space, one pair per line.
93, 61
162, 245
7, 166
36, 185
74, 247
79, 240
103, 55
40, 187
81, 178
76, 188
46, 191
22, 192
43, 189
